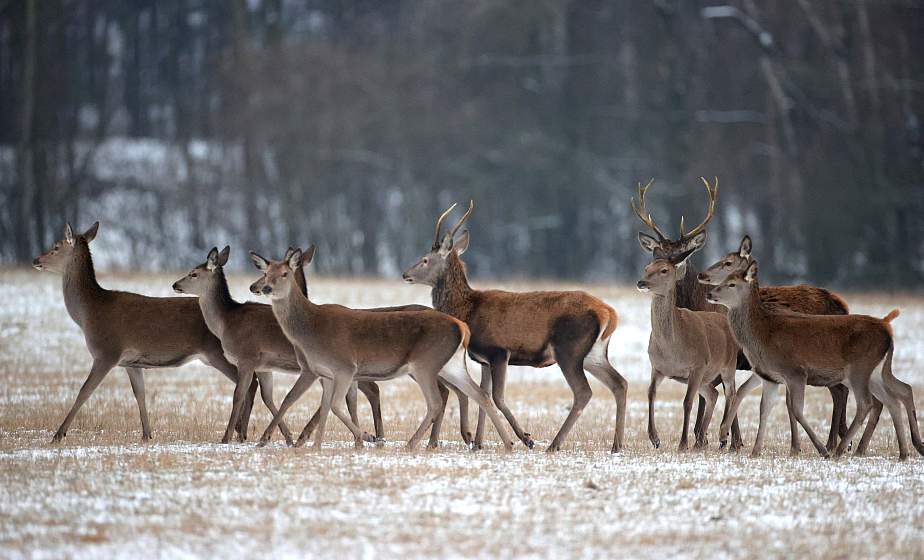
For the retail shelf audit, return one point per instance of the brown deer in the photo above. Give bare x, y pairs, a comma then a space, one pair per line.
253, 340
800, 299
691, 294
692, 347
797, 349
129, 330
345, 344
534, 329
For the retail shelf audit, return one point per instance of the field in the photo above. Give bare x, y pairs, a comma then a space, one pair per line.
101, 493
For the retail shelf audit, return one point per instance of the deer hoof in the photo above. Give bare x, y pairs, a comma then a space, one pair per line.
379, 441
263, 442
723, 443
58, 437
476, 446
528, 440
368, 437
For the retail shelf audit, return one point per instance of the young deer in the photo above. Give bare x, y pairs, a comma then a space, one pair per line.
823, 350
129, 330
345, 344
693, 347
535, 329
800, 299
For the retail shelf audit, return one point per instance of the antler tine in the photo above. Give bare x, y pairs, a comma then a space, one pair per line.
439, 223
713, 191
642, 212
471, 207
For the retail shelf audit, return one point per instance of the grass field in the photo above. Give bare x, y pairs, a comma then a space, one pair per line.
103, 494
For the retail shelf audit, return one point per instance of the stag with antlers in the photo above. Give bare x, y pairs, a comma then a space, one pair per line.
535, 329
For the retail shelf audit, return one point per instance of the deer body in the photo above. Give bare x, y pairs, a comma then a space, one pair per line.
345, 344
797, 349
693, 347
534, 329
126, 329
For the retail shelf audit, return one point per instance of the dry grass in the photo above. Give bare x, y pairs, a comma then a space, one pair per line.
101, 493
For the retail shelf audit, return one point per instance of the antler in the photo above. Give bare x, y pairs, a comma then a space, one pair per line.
712, 190
439, 224
471, 206
642, 212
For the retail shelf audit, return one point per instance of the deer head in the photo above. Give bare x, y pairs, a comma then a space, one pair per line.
279, 277
56, 258
734, 290
661, 276
662, 247
736, 261
431, 266
199, 278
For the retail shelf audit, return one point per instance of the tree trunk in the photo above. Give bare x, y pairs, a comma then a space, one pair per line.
24, 170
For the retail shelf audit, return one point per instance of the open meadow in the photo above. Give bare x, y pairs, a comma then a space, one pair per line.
101, 493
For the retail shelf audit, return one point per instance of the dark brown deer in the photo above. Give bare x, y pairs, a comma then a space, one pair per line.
692, 347
691, 294
534, 329
129, 330
796, 349
803, 298
346, 344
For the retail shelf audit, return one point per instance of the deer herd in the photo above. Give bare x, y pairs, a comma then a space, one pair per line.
704, 327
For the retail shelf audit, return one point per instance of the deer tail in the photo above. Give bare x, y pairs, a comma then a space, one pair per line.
608, 320
892, 314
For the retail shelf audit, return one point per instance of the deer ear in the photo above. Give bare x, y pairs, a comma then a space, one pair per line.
68, 234
288, 254
259, 261
751, 273
695, 243
223, 256
445, 245
90, 234
211, 261
461, 242
648, 242
308, 255
295, 259
744, 251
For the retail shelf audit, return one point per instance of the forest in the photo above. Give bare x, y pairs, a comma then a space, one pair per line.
183, 124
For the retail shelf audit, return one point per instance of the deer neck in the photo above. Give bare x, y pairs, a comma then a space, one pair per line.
82, 293
690, 294
452, 294
749, 321
216, 303
295, 313
664, 314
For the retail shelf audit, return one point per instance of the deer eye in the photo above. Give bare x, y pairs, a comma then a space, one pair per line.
663, 271
193, 275
732, 285
425, 260
728, 263
285, 274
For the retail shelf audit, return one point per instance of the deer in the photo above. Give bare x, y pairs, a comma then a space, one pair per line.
691, 294
129, 330
803, 298
692, 347
536, 329
352, 344
796, 349
253, 340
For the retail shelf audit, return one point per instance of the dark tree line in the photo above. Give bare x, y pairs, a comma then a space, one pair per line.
187, 123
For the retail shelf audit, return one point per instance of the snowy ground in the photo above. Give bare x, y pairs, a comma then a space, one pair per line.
102, 494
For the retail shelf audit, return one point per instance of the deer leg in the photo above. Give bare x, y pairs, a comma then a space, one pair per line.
215, 357
352, 404
838, 415
871, 424
266, 393
577, 380
342, 384
731, 408
136, 377
864, 401
486, 384
463, 412
768, 397
598, 364
245, 377
327, 386
795, 401
440, 412
904, 394
458, 380
302, 384
498, 382
693, 383
98, 372
371, 391
246, 409
656, 378
711, 394
431, 392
